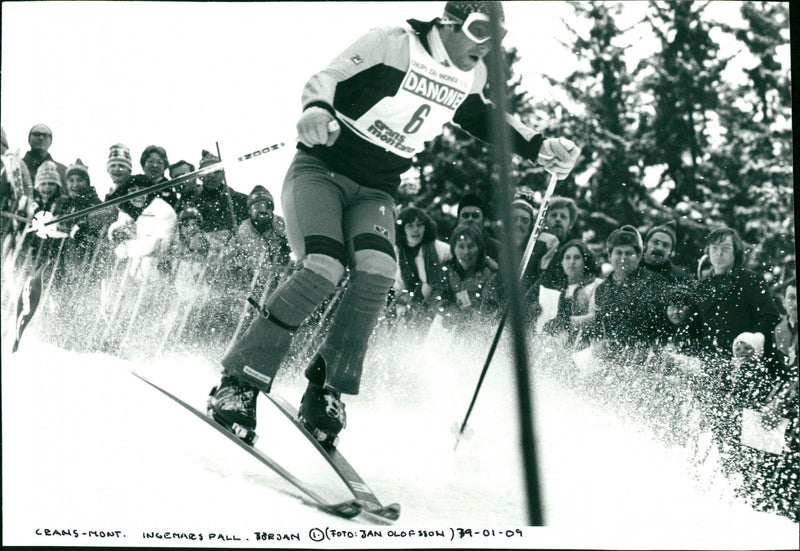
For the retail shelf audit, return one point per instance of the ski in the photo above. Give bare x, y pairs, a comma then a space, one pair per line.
370, 503
346, 509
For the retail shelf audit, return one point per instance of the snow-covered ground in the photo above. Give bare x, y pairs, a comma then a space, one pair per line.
93, 456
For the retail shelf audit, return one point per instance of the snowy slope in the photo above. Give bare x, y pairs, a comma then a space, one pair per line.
88, 447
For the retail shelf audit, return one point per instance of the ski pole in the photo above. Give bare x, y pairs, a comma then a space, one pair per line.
551, 186
162, 185
332, 127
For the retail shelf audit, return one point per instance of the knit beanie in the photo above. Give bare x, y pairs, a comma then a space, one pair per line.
119, 153
668, 228
149, 150
48, 172
755, 340
471, 200
189, 212
207, 158
625, 236
259, 194
460, 10
80, 169
524, 205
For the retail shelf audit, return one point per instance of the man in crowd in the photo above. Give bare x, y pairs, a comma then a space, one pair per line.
214, 199
40, 138
631, 311
659, 244
182, 192
118, 165
359, 131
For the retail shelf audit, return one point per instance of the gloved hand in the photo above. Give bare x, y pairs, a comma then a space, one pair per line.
558, 155
317, 127
121, 250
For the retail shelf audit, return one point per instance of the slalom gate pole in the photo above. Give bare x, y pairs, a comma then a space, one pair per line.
164, 185
503, 196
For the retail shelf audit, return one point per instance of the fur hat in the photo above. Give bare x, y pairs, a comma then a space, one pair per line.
149, 150
119, 153
625, 236
78, 168
669, 228
755, 340
259, 194
48, 172
471, 200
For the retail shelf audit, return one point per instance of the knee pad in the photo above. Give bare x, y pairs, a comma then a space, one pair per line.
326, 266
298, 297
376, 262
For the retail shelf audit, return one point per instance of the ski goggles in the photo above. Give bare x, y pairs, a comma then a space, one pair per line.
478, 27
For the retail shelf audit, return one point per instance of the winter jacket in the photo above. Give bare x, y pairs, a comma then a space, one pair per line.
576, 307
418, 275
214, 207
252, 251
34, 161
724, 306
154, 231
392, 93
632, 312
467, 296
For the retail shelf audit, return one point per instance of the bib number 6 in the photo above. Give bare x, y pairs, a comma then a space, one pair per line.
417, 119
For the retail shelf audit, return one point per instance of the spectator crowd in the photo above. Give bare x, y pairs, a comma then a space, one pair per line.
698, 352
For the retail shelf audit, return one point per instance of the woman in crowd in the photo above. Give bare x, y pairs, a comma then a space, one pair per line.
144, 229
470, 290
570, 281
420, 257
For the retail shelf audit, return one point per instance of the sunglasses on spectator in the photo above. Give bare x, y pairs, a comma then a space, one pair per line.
470, 215
40, 134
478, 28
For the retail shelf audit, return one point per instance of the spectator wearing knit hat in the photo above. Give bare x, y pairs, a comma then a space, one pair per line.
118, 165
40, 138
214, 199
260, 246
472, 212
659, 246
630, 306
47, 186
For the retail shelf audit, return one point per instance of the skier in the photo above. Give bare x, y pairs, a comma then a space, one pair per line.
364, 118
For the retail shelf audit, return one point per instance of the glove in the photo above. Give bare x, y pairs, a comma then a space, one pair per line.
121, 250
317, 127
558, 155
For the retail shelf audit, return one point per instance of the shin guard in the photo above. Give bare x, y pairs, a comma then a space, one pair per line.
255, 358
346, 345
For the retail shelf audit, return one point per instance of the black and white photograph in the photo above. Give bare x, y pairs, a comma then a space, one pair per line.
408, 275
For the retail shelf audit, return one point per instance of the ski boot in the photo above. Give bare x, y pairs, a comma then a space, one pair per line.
233, 405
322, 413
